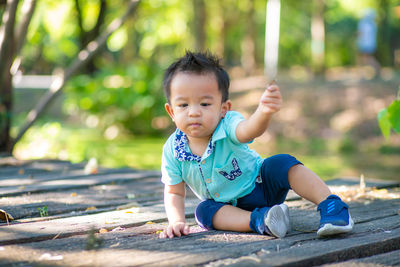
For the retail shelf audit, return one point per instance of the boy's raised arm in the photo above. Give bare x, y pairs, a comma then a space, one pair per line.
174, 201
270, 103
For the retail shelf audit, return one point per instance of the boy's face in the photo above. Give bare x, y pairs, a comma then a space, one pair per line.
196, 104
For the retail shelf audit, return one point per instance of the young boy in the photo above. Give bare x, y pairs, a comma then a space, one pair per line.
239, 190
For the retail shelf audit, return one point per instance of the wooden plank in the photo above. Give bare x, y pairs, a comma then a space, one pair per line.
43, 230
74, 182
306, 221
50, 173
305, 218
350, 183
9, 162
74, 200
369, 182
385, 259
32, 167
229, 249
140, 246
30, 176
18, 233
317, 253
59, 202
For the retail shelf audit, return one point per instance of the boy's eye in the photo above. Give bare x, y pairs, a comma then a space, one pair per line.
205, 104
182, 105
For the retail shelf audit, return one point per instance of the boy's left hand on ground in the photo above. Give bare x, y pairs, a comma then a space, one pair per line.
271, 100
175, 229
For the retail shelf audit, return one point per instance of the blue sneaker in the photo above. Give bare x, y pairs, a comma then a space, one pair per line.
277, 220
335, 217
272, 221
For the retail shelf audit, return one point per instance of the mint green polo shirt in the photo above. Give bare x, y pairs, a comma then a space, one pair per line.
227, 170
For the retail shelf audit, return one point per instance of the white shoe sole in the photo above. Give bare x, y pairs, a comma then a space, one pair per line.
285, 209
277, 220
330, 229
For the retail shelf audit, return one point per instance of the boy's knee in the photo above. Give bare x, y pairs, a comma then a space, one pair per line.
205, 211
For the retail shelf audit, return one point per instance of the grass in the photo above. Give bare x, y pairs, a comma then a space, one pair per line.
328, 158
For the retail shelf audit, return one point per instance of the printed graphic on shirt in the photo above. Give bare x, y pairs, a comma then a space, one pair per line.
236, 172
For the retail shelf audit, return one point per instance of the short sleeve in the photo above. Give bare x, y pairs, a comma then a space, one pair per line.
231, 121
171, 173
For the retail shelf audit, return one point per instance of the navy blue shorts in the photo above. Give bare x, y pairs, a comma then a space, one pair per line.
271, 191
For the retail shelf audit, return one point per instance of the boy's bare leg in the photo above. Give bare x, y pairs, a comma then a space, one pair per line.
307, 184
230, 218
302, 180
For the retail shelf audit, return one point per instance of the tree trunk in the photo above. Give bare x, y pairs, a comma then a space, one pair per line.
384, 52
248, 49
199, 10
85, 37
219, 49
318, 36
6, 57
27, 10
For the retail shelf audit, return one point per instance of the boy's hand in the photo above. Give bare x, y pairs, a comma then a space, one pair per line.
175, 229
271, 100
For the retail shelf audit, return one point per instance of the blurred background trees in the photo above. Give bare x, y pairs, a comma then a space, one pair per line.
119, 90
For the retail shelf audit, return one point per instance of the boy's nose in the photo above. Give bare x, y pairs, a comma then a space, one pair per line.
194, 111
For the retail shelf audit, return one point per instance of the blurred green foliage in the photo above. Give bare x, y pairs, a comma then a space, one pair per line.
389, 118
123, 90
127, 98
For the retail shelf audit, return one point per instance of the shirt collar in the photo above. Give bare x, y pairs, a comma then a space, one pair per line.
181, 152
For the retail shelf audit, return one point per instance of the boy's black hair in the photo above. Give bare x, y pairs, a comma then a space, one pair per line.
197, 63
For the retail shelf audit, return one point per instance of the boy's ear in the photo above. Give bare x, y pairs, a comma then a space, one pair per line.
226, 106
169, 110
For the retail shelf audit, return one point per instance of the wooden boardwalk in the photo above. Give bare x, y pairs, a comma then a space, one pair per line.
63, 217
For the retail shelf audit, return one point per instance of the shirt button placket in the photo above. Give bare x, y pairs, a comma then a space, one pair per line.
202, 175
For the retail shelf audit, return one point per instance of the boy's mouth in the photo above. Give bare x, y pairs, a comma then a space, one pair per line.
195, 124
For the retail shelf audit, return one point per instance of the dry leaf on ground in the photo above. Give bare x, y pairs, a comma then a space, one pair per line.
4, 216
103, 231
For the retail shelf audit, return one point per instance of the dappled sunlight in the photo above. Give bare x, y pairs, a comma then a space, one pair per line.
374, 106
387, 74
36, 149
117, 81
250, 100
362, 193
345, 120
111, 132
92, 121
300, 73
111, 148
352, 73
40, 143
118, 39
290, 112
16, 182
